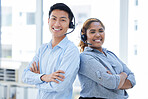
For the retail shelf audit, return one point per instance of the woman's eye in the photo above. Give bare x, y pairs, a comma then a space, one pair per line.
101, 31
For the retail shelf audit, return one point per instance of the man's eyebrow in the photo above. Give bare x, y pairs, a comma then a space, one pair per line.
64, 17
53, 16
60, 17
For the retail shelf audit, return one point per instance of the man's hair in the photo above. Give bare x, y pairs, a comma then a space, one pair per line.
64, 7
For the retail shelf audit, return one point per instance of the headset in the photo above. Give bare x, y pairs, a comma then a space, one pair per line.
84, 38
71, 24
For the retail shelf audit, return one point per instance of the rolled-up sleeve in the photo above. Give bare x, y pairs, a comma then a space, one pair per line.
131, 76
93, 69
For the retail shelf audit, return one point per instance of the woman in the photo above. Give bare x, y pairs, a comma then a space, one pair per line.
102, 74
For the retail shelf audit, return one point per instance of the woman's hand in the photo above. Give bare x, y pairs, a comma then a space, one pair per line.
123, 77
109, 72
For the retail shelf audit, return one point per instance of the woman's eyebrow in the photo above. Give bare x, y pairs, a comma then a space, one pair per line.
92, 30
101, 29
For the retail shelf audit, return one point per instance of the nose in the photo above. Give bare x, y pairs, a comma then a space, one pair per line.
57, 23
97, 34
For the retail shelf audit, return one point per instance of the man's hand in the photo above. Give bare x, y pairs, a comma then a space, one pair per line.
34, 68
54, 77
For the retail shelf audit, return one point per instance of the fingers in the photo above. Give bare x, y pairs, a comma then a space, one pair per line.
38, 66
54, 77
109, 72
35, 67
31, 69
55, 80
60, 71
57, 76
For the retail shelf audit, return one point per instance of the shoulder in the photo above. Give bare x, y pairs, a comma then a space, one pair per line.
71, 47
111, 53
42, 47
86, 56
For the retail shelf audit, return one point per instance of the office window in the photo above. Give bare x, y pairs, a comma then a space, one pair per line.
6, 51
6, 16
136, 2
18, 37
30, 18
136, 25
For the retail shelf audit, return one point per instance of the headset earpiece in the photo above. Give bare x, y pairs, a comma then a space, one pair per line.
83, 37
71, 25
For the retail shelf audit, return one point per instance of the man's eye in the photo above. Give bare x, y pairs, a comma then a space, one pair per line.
63, 20
92, 32
53, 18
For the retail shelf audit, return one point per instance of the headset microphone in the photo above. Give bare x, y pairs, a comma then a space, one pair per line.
84, 38
71, 25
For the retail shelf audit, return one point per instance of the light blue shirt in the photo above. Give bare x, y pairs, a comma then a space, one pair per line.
93, 76
64, 56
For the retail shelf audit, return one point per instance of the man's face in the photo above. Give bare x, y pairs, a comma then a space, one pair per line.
58, 23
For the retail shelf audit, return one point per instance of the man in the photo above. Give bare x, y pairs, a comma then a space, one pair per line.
55, 65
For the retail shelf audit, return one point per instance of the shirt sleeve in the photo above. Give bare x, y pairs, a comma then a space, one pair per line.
94, 70
30, 77
70, 65
130, 74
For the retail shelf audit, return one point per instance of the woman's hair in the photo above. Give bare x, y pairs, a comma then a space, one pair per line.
86, 26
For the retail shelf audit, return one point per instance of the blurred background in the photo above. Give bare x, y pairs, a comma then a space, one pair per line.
24, 27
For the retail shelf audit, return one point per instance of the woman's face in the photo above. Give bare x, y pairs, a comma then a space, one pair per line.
95, 35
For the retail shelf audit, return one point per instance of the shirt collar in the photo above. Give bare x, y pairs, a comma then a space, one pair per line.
62, 44
95, 50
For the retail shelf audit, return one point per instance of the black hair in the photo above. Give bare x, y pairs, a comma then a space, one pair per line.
64, 7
